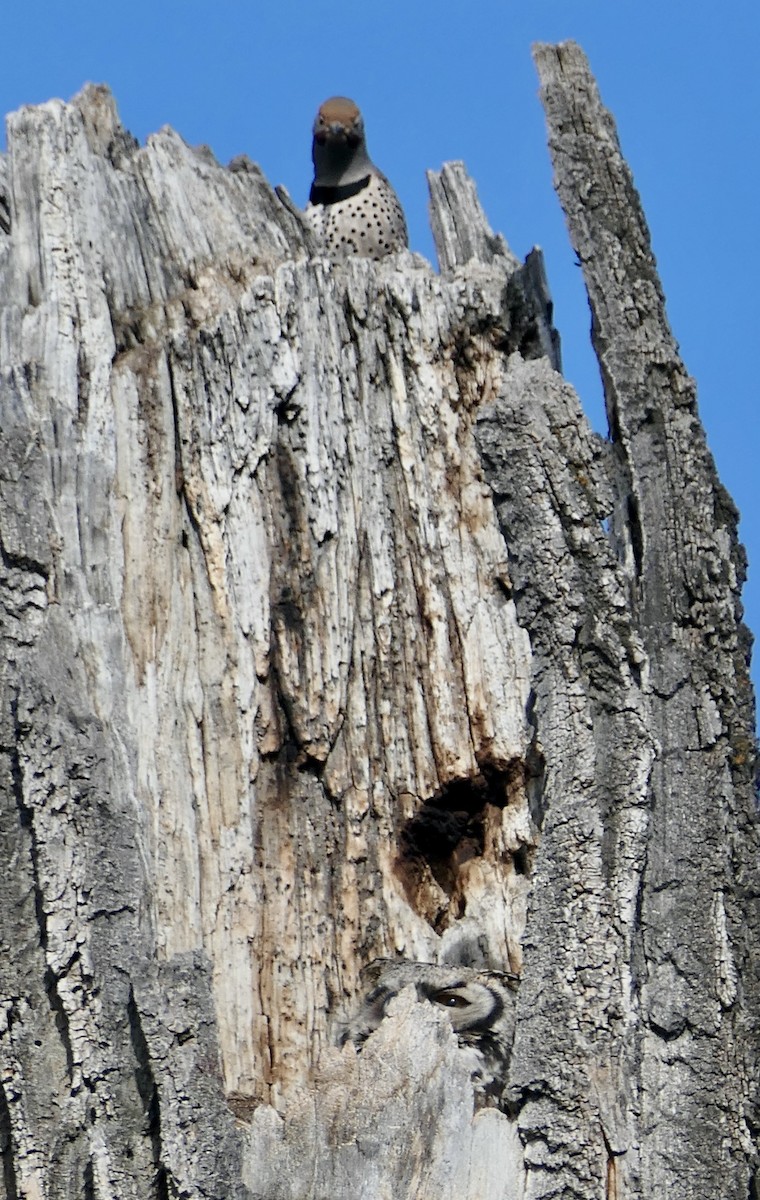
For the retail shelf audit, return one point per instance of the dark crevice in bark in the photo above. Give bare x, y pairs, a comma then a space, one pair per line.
290, 751
22, 562
635, 532
6, 1149
535, 767
60, 1016
88, 1182
148, 1089
26, 820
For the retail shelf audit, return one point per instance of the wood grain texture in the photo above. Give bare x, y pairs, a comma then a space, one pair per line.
331, 632
259, 619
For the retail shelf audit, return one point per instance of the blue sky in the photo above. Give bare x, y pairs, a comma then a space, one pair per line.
446, 80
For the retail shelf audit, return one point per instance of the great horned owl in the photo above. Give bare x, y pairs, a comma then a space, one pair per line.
479, 1004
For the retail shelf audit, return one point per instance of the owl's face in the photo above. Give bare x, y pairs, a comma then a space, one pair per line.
469, 1004
479, 1005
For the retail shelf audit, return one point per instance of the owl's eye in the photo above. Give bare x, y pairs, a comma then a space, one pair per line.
451, 1000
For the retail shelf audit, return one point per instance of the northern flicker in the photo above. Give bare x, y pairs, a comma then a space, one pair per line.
352, 207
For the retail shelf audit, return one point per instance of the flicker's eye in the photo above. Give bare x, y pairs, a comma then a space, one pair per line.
450, 1000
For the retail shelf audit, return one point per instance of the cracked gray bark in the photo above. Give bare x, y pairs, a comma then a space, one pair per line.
674, 528
298, 560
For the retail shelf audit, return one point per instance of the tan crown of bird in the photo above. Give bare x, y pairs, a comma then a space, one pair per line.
352, 207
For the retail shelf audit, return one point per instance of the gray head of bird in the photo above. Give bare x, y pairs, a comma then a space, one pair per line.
339, 150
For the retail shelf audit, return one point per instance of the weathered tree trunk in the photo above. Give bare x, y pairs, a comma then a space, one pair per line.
333, 633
